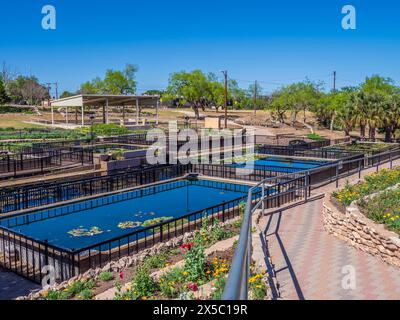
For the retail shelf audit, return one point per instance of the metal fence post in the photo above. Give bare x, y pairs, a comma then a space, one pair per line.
262, 197
337, 175
306, 186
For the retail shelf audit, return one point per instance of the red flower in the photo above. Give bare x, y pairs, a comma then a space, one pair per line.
193, 286
121, 275
187, 246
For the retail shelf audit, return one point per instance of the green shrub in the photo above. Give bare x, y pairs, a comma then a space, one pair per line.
384, 208
156, 261
106, 276
171, 283
382, 180
143, 283
315, 136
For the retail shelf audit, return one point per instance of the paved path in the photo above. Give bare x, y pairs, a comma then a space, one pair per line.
309, 262
13, 286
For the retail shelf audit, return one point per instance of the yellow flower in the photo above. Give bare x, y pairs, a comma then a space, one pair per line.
185, 273
144, 298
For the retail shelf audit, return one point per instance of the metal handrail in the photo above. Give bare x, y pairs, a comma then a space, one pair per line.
236, 287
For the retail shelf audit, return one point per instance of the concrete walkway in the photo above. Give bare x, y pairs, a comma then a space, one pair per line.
312, 264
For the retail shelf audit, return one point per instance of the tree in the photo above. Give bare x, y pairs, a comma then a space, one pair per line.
114, 82
193, 88
66, 94
27, 90
297, 97
3, 94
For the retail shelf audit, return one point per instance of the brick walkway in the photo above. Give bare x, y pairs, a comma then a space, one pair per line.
13, 286
308, 261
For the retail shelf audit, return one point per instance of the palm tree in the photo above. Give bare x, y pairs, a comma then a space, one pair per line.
358, 102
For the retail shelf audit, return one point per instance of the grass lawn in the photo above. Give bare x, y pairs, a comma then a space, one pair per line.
17, 121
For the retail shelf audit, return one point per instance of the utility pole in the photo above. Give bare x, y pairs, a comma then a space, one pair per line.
225, 73
255, 97
48, 84
334, 81
56, 83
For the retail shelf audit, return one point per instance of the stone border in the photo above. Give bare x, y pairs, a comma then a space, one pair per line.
362, 233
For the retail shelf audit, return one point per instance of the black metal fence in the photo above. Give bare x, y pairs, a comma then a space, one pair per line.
41, 161
30, 196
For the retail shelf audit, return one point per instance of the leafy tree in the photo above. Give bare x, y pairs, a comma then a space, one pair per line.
3, 94
191, 88
27, 90
66, 94
114, 82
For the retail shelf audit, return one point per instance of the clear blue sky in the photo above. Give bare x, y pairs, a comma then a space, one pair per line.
272, 41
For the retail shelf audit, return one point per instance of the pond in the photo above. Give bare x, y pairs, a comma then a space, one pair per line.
88, 222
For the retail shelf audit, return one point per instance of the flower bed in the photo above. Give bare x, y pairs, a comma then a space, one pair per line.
383, 208
375, 182
365, 147
133, 277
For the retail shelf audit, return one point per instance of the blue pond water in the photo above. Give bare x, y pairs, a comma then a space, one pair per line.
280, 164
171, 199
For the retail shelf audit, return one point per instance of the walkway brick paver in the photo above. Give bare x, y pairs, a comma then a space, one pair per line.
309, 261
13, 286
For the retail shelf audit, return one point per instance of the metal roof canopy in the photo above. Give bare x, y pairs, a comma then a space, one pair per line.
102, 99
105, 100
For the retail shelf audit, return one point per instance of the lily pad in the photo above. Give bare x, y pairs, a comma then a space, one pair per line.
129, 224
83, 232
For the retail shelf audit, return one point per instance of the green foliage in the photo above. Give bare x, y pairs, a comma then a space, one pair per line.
143, 284
316, 137
219, 288
106, 276
195, 262
156, 261
258, 287
114, 82
384, 208
79, 289
103, 129
4, 98
172, 283
26, 90
382, 180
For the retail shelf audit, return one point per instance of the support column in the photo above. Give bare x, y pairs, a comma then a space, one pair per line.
137, 111
76, 115
52, 115
83, 116
66, 115
157, 106
123, 113
107, 111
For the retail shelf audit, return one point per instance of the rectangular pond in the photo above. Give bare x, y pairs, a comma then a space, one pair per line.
282, 164
85, 223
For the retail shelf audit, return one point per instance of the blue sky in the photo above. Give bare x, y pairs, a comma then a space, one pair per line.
275, 42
